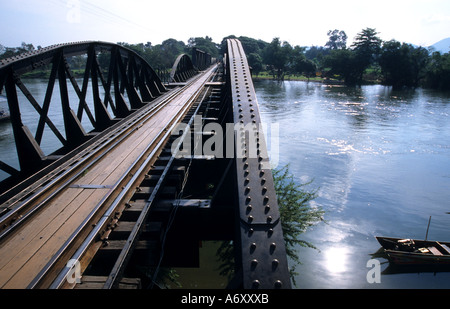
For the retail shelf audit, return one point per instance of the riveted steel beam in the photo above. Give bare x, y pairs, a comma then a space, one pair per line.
182, 69
201, 59
263, 259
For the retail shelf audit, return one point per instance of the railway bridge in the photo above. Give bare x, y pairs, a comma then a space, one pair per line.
146, 171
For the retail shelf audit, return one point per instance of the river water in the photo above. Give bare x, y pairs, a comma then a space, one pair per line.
381, 162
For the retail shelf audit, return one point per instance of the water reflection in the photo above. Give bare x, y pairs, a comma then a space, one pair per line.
336, 259
380, 159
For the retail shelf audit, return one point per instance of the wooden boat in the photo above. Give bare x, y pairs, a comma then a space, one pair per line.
415, 252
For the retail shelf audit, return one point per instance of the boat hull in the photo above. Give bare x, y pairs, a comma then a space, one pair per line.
415, 252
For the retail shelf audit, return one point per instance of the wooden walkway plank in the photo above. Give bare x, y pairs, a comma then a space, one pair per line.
27, 262
25, 252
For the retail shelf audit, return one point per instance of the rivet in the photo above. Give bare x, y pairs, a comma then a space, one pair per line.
256, 283
248, 199
278, 284
269, 219
273, 246
275, 263
253, 246
249, 207
266, 199
254, 262
250, 218
267, 209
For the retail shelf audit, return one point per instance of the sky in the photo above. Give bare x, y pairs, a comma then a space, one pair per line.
304, 23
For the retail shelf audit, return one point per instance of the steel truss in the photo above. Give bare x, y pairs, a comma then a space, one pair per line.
123, 84
182, 69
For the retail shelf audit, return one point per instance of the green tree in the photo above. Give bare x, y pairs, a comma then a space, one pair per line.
7, 52
277, 55
437, 74
317, 54
296, 213
345, 64
367, 47
337, 39
255, 62
367, 44
205, 44
402, 65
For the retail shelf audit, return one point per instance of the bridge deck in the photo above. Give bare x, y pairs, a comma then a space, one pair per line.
25, 252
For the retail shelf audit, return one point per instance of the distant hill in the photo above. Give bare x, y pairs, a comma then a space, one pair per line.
442, 46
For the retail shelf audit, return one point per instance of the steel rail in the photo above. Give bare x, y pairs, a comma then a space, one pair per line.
61, 277
115, 275
116, 136
127, 130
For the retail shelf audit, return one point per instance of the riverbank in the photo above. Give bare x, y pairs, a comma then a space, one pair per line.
301, 78
317, 79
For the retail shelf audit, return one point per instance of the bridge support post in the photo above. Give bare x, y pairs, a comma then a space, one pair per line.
29, 152
75, 134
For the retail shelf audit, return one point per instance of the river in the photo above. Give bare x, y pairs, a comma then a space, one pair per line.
381, 162
379, 158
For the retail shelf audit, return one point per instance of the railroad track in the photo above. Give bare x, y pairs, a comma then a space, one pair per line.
57, 225
142, 225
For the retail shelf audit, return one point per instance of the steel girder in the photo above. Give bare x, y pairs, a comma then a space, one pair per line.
124, 83
262, 258
182, 69
201, 59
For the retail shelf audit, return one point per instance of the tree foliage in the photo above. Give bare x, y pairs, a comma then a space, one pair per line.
391, 63
337, 39
402, 64
296, 213
437, 73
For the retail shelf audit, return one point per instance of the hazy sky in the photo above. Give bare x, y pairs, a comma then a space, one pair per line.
305, 23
